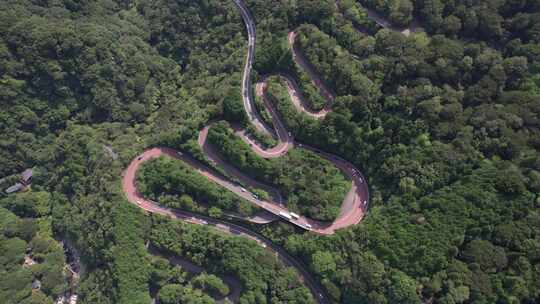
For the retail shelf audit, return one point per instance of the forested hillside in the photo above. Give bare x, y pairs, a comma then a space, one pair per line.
444, 124
86, 86
446, 130
32, 262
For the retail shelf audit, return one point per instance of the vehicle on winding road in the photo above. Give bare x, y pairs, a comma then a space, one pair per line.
285, 215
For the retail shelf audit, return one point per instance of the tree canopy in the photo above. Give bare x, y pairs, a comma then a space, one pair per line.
443, 123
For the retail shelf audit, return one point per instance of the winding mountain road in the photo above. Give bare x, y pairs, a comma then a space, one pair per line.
353, 207
356, 201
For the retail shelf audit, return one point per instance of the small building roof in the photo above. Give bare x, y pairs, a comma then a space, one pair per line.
36, 284
27, 175
73, 299
15, 188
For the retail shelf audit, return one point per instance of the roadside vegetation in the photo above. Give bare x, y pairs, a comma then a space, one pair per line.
172, 283
445, 128
335, 65
32, 262
312, 185
444, 124
175, 184
293, 119
80, 76
263, 277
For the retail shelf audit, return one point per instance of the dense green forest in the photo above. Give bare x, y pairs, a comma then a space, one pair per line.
80, 77
444, 124
173, 283
262, 276
176, 185
446, 130
24, 239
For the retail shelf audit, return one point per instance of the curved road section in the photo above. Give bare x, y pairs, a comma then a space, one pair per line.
353, 207
252, 113
133, 195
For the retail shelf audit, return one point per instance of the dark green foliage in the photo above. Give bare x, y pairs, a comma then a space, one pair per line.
456, 225
356, 13
447, 105
111, 65
485, 20
211, 284
233, 107
444, 125
165, 176
109, 233
130, 262
15, 278
262, 276
28, 204
490, 258
176, 294
340, 70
